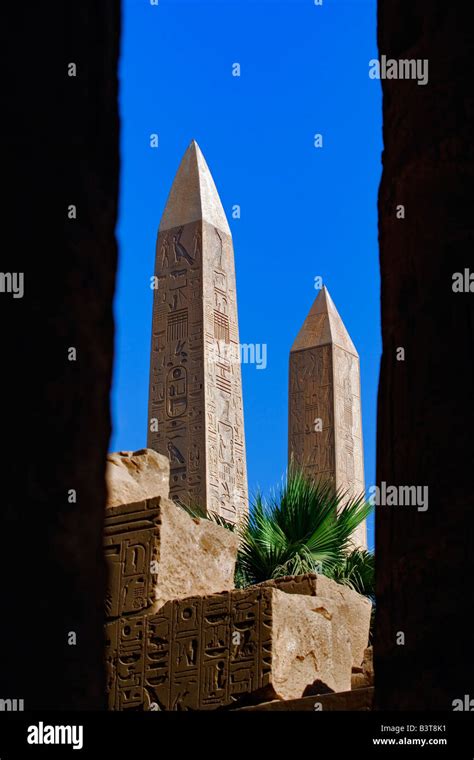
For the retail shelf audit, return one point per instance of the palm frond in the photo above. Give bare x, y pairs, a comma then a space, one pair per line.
357, 570
305, 526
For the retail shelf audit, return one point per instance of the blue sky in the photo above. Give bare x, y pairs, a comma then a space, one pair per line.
305, 211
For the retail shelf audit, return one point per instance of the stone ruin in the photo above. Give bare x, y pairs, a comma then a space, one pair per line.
180, 636
195, 409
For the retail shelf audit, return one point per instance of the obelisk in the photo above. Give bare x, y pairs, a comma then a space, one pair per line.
195, 413
324, 410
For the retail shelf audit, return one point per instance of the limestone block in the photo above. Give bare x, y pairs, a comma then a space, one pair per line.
310, 644
136, 475
353, 609
241, 646
155, 552
131, 544
197, 556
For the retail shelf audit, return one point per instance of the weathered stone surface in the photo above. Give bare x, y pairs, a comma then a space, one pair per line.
324, 409
368, 665
227, 649
195, 400
364, 676
309, 643
361, 700
155, 552
357, 679
136, 475
425, 560
55, 412
197, 556
352, 608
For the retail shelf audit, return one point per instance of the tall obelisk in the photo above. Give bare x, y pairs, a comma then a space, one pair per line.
324, 422
195, 413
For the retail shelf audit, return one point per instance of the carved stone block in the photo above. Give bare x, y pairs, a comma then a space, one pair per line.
238, 647
155, 552
352, 609
131, 544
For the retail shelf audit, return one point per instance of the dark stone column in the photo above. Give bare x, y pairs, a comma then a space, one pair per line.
59, 140
425, 560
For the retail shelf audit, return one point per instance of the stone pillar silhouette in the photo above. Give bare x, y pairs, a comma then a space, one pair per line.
195, 400
55, 435
425, 422
324, 409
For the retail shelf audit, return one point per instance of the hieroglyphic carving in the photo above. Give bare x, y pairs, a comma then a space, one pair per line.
349, 457
195, 383
198, 653
125, 663
176, 367
227, 494
131, 544
311, 412
324, 418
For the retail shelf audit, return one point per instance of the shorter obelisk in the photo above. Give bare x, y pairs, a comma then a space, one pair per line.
324, 422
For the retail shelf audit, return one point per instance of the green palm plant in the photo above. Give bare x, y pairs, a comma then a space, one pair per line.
357, 570
305, 526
